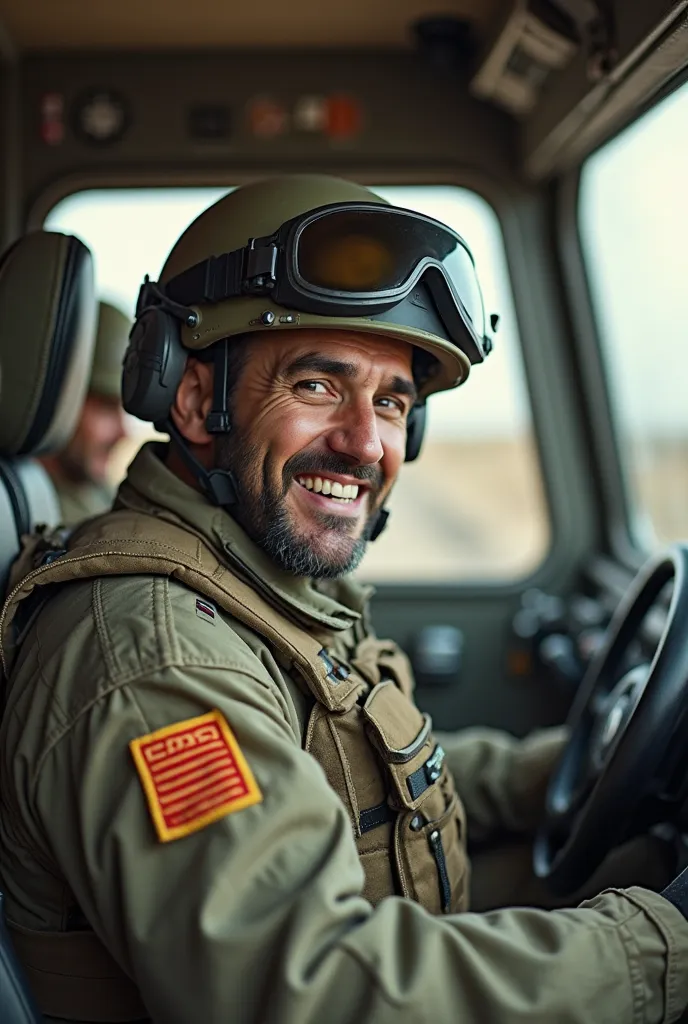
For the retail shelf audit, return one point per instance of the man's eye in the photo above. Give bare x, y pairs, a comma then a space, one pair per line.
391, 403
315, 387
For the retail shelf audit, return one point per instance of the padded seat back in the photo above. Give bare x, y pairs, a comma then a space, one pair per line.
47, 331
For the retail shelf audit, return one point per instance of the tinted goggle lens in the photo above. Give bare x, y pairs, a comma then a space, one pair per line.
359, 253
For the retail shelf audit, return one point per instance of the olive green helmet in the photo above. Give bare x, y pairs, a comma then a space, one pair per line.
112, 338
257, 210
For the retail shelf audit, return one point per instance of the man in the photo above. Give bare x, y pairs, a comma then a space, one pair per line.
79, 472
219, 801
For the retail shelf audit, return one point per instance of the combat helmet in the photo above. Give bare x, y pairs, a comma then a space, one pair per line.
305, 251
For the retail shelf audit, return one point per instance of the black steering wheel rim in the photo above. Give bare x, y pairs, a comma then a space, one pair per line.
622, 752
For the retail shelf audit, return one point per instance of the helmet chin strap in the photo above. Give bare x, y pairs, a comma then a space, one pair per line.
218, 485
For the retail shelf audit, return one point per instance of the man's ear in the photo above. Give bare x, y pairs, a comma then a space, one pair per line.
193, 402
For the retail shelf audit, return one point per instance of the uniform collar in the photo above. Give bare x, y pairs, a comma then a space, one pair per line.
336, 605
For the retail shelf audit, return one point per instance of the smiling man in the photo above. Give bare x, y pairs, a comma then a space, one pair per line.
318, 436
219, 801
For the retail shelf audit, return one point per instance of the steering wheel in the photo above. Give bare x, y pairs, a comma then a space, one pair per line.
625, 766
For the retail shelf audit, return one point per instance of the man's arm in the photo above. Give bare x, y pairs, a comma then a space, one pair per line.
257, 916
502, 780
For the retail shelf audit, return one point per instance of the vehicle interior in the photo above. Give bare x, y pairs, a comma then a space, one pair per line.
551, 135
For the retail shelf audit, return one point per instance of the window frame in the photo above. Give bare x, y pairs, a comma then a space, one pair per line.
616, 495
557, 429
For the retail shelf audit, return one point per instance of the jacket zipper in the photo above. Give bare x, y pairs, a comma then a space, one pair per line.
435, 841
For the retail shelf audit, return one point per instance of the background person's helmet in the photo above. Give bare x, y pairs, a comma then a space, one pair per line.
112, 337
259, 209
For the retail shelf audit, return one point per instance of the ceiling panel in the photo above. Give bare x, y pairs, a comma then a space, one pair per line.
194, 24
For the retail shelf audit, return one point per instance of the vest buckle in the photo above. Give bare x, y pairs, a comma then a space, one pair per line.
335, 671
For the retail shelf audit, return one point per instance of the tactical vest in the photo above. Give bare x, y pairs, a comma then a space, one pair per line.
374, 745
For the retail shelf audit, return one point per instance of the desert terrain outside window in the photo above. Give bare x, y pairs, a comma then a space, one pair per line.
472, 508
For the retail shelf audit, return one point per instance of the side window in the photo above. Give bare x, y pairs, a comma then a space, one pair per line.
472, 507
634, 224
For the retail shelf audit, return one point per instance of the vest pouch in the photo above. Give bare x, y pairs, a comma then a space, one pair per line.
431, 859
403, 738
378, 660
354, 771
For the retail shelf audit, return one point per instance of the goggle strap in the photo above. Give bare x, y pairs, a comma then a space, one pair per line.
210, 281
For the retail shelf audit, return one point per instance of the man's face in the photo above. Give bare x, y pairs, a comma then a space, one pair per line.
100, 427
319, 434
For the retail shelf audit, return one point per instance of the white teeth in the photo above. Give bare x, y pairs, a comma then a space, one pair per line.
333, 488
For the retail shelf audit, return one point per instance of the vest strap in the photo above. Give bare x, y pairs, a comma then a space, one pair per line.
72, 975
373, 817
129, 542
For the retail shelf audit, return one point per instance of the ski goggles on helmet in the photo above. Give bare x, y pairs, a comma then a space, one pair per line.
350, 260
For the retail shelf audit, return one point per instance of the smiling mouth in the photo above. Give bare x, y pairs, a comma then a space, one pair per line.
341, 494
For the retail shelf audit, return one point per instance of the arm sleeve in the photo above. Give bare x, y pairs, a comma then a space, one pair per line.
257, 917
502, 780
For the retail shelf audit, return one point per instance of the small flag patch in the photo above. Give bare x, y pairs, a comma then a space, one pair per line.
193, 773
205, 610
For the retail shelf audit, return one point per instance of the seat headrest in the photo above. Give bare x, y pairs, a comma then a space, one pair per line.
47, 331
27, 499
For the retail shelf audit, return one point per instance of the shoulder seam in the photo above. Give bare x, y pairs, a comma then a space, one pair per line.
163, 584
128, 680
106, 646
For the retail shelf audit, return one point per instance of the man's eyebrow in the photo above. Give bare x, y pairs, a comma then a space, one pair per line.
402, 386
319, 363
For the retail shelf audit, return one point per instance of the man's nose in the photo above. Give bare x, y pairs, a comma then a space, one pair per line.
356, 435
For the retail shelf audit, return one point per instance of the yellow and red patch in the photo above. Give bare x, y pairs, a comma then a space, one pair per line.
193, 773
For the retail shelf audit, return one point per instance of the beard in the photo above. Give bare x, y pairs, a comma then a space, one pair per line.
325, 550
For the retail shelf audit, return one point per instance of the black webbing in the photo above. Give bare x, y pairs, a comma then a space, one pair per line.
375, 816
211, 281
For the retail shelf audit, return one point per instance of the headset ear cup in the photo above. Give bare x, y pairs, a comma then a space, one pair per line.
415, 429
153, 366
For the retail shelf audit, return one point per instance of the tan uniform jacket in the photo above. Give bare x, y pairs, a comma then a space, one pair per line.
257, 917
